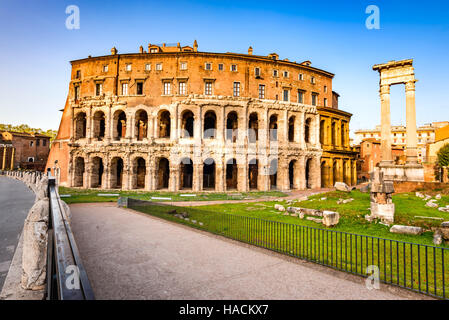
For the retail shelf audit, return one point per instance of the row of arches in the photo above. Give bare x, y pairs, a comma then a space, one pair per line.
97, 174
337, 132
187, 125
338, 170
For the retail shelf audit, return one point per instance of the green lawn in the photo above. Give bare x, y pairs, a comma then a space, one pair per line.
91, 195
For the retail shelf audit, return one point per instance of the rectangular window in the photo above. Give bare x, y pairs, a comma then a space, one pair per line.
233, 67
139, 88
314, 99
220, 67
325, 88
77, 93
153, 50
31, 143
105, 68
312, 80
159, 66
124, 88
208, 66
182, 87
275, 73
208, 88
257, 72
128, 67
167, 88
300, 76
286, 95
285, 74
300, 96
44, 142
78, 74
148, 67
325, 102
236, 89
98, 89
183, 66
38, 142
261, 91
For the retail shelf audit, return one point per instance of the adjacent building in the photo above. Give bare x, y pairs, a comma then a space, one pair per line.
172, 117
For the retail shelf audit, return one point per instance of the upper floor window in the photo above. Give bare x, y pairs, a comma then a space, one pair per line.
31, 143
148, 67
325, 102
98, 89
128, 67
183, 66
300, 76
233, 67
78, 74
236, 89
124, 88
105, 68
139, 87
153, 50
286, 94
257, 72
208, 66
220, 67
325, 88
275, 73
167, 88
208, 88
300, 96
44, 142
182, 87
159, 66
312, 80
38, 142
285, 74
77, 92
314, 99
261, 91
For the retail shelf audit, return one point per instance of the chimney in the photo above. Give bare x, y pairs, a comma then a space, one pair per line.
250, 50
114, 51
141, 49
195, 46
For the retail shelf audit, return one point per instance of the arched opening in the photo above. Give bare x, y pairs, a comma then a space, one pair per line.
273, 127
308, 174
209, 174
140, 172
345, 172
231, 174
99, 125
141, 125
335, 173
164, 124
342, 135
119, 124
291, 129
232, 126
210, 125
253, 128
291, 174
163, 173
80, 125
117, 173
96, 179
307, 130
273, 171
333, 134
322, 131
187, 124
323, 174
79, 172
186, 173
253, 173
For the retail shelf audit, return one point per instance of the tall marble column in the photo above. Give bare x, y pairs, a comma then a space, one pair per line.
411, 123
385, 123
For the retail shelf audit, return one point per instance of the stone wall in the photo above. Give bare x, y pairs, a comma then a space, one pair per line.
410, 186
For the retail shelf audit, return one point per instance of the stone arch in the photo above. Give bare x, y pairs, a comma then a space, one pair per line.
334, 172
308, 173
292, 173
273, 173
80, 125
273, 127
141, 125
187, 124
334, 133
253, 173
209, 172
99, 122
323, 132
117, 170
186, 173
97, 172
79, 172
210, 125
291, 128
231, 174
163, 173
307, 130
139, 172
119, 123
164, 123
232, 125
253, 127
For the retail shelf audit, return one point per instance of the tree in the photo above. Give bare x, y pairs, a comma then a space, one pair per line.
443, 155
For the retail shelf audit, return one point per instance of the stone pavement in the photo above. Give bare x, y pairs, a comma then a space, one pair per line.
129, 255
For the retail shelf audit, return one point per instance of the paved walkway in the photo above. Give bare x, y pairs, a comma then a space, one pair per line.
129, 255
15, 202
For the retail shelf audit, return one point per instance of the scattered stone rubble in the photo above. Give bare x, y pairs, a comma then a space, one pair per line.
327, 218
382, 205
343, 201
341, 186
406, 229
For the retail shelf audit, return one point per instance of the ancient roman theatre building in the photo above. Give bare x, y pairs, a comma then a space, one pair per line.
174, 118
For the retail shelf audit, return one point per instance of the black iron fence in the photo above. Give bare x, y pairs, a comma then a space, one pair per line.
66, 277
417, 267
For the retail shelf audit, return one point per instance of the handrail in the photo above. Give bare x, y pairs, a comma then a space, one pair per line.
66, 276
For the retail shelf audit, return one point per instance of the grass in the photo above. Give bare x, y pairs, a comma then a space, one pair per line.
91, 195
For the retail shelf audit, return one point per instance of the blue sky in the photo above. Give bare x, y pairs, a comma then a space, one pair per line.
36, 46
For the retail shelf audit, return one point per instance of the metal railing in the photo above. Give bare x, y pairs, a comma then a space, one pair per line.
418, 267
66, 277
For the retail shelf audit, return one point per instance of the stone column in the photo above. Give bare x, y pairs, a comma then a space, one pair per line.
301, 172
385, 123
150, 130
412, 151
4, 158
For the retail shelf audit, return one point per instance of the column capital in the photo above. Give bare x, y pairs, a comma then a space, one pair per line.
384, 89
410, 86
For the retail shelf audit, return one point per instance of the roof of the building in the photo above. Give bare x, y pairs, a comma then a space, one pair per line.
26, 134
